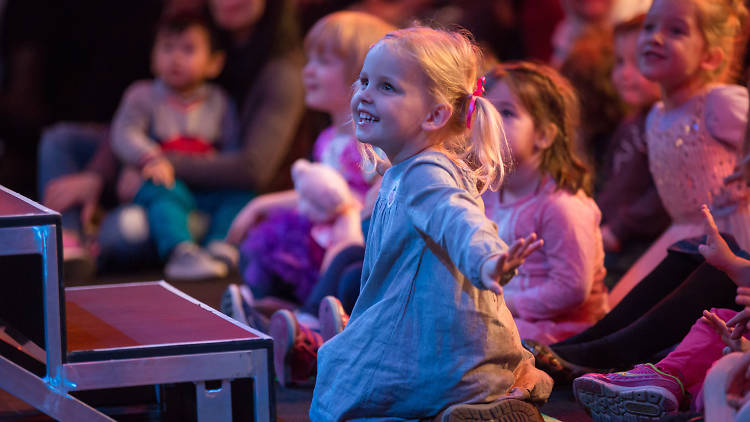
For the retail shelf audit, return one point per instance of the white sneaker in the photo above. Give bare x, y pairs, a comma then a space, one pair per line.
190, 262
224, 252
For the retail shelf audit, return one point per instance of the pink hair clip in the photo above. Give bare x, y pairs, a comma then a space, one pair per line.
472, 104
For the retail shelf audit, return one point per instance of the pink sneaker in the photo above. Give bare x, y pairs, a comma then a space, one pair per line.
332, 317
645, 393
295, 349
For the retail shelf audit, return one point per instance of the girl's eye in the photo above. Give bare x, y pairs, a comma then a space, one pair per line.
363, 82
387, 86
676, 30
648, 27
507, 113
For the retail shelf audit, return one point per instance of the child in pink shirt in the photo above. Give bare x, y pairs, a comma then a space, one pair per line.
559, 290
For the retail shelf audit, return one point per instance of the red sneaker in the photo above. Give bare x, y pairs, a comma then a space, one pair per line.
332, 317
295, 349
645, 393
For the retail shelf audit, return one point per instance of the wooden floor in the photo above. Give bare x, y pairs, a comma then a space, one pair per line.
292, 403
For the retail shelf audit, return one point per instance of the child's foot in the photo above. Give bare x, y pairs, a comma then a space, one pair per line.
332, 317
238, 302
295, 349
645, 393
506, 410
224, 252
562, 371
190, 262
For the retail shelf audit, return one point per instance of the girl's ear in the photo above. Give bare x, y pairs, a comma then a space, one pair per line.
712, 59
437, 117
546, 136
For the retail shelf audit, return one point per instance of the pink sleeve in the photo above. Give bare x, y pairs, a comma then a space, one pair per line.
572, 247
726, 114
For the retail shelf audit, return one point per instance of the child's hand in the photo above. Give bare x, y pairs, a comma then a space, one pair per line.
736, 343
159, 171
501, 266
740, 323
716, 251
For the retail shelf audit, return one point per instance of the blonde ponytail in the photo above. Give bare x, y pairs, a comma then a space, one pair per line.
488, 148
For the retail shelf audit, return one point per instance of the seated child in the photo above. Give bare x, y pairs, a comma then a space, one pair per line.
650, 390
430, 335
180, 112
558, 291
284, 256
632, 212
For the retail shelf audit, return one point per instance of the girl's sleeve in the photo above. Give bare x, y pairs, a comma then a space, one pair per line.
269, 119
450, 218
726, 114
572, 244
130, 140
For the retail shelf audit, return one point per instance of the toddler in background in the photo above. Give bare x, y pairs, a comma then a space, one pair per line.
558, 291
179, 112
694, 134
632, 213
430, 334
283, 260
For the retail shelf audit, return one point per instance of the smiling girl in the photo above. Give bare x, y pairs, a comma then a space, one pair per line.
430, 333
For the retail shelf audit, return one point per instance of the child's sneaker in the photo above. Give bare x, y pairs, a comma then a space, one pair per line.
332, 317
224, 252
645, 393
238, 302
295, 349
190, 262
505, 410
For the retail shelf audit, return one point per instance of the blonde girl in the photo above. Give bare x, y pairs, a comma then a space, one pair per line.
430, 333
283, 259
694, 134
559, 290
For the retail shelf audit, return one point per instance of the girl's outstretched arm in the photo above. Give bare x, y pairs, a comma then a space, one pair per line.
498, 270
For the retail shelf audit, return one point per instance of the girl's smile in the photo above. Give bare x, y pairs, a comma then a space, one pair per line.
390, 103
671, 46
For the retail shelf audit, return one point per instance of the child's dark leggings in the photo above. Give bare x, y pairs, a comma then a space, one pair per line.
341, 279
655, 315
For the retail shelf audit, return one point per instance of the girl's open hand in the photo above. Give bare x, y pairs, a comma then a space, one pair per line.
716, 251
735, 343
503, 265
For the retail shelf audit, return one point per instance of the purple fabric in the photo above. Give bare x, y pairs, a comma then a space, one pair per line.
341, 152
280, 249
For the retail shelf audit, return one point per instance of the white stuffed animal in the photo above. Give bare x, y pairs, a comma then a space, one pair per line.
325, 198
